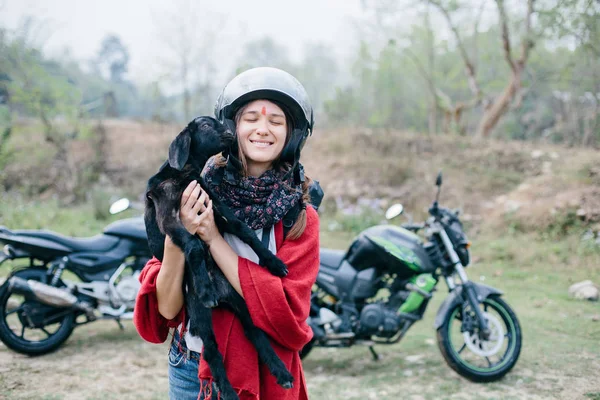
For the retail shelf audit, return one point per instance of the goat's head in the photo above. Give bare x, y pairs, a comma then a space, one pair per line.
201, 139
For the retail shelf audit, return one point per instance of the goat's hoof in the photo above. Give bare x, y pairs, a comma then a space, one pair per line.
210, 303
276, 267
287, 385
280, 272
209, 300
286, 381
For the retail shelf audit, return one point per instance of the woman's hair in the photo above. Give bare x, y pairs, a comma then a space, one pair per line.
220, 161
300, 224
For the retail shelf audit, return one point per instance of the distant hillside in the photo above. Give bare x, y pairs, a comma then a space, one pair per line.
532, 183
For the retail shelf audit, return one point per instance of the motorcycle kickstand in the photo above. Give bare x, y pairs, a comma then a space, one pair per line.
376, 356
120, 324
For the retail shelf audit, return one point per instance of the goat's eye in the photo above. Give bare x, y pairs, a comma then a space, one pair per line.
204, 126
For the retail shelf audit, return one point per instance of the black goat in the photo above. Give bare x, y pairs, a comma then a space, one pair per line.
207, 286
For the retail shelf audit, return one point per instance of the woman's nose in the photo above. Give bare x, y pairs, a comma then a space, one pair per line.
262, 128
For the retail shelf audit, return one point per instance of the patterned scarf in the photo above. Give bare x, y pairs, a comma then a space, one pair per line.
259, 202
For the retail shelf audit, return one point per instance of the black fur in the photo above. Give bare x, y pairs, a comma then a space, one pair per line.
207, 286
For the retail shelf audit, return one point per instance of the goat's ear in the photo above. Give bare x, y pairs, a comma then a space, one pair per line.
179, 150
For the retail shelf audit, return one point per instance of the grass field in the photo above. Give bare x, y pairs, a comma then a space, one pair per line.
560, 358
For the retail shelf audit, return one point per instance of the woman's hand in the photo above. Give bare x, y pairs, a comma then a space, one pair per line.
196, 213
207, 229
192, 203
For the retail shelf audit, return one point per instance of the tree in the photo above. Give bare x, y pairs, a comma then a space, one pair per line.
190, 36
513, 90
39, 87
318, 72
113, 58
264, 52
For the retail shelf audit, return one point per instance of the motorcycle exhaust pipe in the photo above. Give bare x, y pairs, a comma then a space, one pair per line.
49, 295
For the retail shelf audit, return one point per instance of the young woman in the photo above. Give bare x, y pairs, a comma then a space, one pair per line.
262, 180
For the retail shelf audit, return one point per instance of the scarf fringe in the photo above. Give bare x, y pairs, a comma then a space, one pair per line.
207, 384
206, 391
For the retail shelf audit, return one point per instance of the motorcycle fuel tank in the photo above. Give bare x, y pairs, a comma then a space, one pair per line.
390, 248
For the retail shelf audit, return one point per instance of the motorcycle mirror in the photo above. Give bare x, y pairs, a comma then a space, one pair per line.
438, 180
119, 206
394, 211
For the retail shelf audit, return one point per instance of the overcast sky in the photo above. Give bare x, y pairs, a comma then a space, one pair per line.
81, 24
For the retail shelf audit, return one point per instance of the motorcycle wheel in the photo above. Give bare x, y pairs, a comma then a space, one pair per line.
475, 359
52, 325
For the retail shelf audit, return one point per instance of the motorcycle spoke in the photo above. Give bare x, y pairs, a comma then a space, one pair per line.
22, 332
489, 362
462, 348
14, 310
46, 332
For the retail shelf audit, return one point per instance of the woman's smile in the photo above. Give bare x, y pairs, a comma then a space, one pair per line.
261, 143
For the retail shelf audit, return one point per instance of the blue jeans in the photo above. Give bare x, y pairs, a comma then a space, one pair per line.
183, 371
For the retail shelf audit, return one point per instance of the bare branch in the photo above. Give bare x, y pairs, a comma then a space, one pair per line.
420, 68
478, 19
469, 66
527, 42
505, 35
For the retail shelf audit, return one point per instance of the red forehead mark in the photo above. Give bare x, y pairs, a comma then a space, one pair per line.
264, 110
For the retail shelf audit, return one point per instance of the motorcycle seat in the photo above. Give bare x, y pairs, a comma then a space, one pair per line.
332, 258
98, 243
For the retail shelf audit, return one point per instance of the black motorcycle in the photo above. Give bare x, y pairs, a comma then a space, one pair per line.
40, 307
374, 292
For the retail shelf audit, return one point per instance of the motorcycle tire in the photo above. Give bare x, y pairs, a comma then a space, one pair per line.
447, 336
19, 343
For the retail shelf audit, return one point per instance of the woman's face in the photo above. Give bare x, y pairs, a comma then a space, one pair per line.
261, 131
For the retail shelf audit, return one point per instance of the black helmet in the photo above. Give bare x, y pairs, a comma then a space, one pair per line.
275, 85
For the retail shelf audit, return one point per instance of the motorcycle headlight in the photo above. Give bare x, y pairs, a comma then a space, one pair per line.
459, 241
463, 253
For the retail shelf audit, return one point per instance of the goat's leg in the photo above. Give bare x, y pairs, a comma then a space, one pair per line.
261, 342
238, 228
195, 256
156, 239
265, 257
213, 357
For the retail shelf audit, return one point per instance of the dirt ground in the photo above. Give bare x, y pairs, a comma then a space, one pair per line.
101, 362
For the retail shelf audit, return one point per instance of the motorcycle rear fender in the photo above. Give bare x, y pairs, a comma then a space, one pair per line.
456, 297
39, 248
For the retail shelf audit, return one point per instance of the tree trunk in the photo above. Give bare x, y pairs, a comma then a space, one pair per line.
493, 113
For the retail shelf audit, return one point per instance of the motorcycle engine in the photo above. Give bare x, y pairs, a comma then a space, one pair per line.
376, 319
126, 290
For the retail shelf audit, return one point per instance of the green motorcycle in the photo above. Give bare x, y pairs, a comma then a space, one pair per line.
374, 292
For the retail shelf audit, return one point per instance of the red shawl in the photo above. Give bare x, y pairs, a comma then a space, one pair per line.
278, 306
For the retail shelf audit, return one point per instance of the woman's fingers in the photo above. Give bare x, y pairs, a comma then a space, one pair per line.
185, 196
200, 203
207, 213
193, 197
